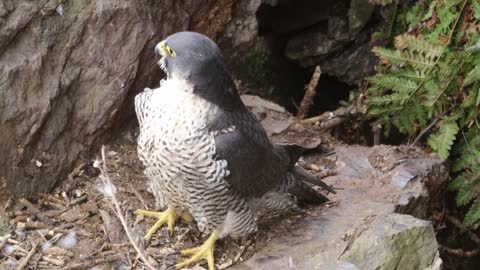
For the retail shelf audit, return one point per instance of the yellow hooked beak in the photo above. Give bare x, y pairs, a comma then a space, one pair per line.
163, 50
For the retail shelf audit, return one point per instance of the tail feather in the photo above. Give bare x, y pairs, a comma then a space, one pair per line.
296, 184
304, 175
297, 179
306, 195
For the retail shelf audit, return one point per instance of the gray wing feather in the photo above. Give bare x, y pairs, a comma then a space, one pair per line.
256, 165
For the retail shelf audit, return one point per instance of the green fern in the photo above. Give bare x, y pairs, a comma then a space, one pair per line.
472, 218
429, 84
442, 141
472, 76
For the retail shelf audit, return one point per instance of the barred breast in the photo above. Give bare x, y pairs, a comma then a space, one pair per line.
180, 160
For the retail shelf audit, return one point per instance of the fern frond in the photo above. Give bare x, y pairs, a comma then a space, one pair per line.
390, 56
442, 141
467, 152
392, 82
397, 98
417, 75
476, 10
431, 9
472, 76
457, 183
419, 45
412, 118
477, 101
382, 110
416, 60
472, 217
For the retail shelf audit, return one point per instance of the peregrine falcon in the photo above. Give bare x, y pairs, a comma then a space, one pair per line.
206, 155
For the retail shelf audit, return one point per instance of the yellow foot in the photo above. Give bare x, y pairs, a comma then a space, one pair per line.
205, 251
168, 216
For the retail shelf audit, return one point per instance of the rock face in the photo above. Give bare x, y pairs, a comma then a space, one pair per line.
69, 70
394, 241
362, 230
331, 34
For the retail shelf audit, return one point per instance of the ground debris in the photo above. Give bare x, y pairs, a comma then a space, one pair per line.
74, 228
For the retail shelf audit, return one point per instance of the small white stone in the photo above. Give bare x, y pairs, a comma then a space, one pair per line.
60, 10
38, 163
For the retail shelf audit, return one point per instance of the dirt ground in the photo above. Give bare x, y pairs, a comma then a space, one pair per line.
75, 226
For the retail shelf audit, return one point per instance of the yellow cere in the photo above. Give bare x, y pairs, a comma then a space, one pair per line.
166, 50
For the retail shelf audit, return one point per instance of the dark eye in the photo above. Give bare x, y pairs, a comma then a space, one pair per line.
170, 51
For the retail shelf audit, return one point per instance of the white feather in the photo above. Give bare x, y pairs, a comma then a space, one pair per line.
108, 189
46, 246
68, 241
8, 249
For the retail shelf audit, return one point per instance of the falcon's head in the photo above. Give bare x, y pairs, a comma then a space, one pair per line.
196, 59
186, 54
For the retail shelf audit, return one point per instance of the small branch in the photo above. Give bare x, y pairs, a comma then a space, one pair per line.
97, 261
309, 94
329, 120
136, 193
377, 131
426, 129
23, 264
4, 241
460, 252
118, 211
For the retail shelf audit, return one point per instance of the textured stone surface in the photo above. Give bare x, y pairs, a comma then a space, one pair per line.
394, 241
69, 71
361, 229
339, 42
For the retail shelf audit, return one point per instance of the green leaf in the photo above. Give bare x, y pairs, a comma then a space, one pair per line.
472, 76
477, 102
401, 85
476, 9
442, 141
472, 217
391, 56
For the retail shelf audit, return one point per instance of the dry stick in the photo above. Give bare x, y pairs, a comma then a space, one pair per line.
25, 260
462, 253
90, 263
136, 193
4, 241
118, 211
309, 94
426, 130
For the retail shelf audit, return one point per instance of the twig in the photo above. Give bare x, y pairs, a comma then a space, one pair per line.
35, 210
460, 252
180, 238
329, 120
79, 200
309, 94
377, 130
56, 262
426, 129
137, 194
4, 241
118, 211
27, 258
88, 264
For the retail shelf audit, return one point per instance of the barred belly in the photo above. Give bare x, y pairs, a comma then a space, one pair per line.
181, 164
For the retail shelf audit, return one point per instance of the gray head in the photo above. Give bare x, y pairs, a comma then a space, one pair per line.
198, 60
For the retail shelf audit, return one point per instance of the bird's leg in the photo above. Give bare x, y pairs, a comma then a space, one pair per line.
205, 251
169, 216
